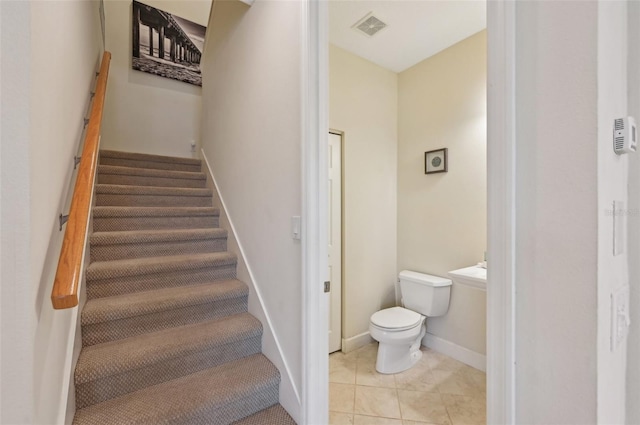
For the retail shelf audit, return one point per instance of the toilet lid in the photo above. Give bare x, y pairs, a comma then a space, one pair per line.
397, 318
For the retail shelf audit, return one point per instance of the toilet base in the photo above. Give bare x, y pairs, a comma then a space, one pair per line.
396, 358
400, 354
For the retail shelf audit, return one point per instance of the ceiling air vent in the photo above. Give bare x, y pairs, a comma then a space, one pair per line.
369, 25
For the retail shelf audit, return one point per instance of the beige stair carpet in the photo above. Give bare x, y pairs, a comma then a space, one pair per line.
166, 335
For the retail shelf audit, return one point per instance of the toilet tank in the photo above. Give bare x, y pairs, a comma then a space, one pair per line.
424, 293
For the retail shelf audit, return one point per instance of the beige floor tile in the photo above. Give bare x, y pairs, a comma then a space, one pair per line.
341, 397
340, 418
478, 377
465, 410
457, 383
438, 390
418, 378
342, 368
438, 361
372, 401
374, 420
424, 360
366, 374
369, 351
344, 357
423, 407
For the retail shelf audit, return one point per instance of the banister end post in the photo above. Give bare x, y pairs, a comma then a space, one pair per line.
64, 302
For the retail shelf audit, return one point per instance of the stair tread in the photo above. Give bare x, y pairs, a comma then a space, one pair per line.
121, 189
148, 157
161, 235
119, 211
200, 394
140, 266
274, 415
167, 337
150, 172
115, 357
123, 306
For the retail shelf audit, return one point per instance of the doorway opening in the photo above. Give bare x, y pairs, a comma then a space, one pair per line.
500, 203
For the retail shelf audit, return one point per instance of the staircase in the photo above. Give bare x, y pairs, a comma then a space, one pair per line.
166, 336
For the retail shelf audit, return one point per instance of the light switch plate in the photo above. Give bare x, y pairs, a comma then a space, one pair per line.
295, 227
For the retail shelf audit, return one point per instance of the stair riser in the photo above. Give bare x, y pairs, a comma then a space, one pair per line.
156, 249
149, 181
98, 333
238, 408
107, 199
103, 389
123, 162
129, 284
115, 224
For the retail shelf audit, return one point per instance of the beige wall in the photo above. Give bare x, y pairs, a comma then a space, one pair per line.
145, 112
47, 77
363, 104
442, 217
252, 132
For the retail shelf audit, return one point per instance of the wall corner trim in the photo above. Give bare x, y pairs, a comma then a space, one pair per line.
501, 200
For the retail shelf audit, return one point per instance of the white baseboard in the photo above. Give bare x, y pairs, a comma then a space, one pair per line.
455, 351
355, 342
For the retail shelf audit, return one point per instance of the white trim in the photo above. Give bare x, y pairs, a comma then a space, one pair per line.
315, 303
355, 342
289, 394
455, 351
501, 212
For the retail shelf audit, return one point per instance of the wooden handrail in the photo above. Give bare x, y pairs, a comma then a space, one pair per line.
67, 281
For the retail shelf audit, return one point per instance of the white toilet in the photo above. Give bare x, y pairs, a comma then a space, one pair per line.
399, 330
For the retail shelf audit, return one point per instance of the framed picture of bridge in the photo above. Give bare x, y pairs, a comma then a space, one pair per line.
166, 45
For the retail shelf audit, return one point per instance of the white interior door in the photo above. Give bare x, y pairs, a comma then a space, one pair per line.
335, 241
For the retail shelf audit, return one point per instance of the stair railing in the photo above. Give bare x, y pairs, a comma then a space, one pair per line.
68, 278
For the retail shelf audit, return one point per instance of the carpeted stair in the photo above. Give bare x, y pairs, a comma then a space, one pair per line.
166, 335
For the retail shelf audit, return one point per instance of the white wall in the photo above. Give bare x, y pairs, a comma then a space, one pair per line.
633, 353
442, 217
556, 212
613, 170
59, 100
145, 112
251, 135
17, 318
363, 103
48, 100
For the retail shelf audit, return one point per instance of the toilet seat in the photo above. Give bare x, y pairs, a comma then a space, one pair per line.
396, 319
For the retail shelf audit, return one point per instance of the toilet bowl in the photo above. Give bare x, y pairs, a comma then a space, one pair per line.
399, 330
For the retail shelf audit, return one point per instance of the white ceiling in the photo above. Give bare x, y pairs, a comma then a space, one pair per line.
416, 29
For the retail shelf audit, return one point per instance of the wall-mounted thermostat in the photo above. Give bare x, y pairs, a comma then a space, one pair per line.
624, 135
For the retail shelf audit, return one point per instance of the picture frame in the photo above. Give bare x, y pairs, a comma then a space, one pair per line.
435, 161
166, 44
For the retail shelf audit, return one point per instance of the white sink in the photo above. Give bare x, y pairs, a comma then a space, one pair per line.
473, 276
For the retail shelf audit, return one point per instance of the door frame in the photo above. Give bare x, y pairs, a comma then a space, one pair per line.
342, 217
501, 324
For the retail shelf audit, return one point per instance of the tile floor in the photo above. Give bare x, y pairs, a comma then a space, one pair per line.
438, 390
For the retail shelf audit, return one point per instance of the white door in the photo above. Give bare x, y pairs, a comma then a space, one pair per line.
335, 241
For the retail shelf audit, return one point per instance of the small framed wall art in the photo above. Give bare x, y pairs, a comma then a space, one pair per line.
435, 161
